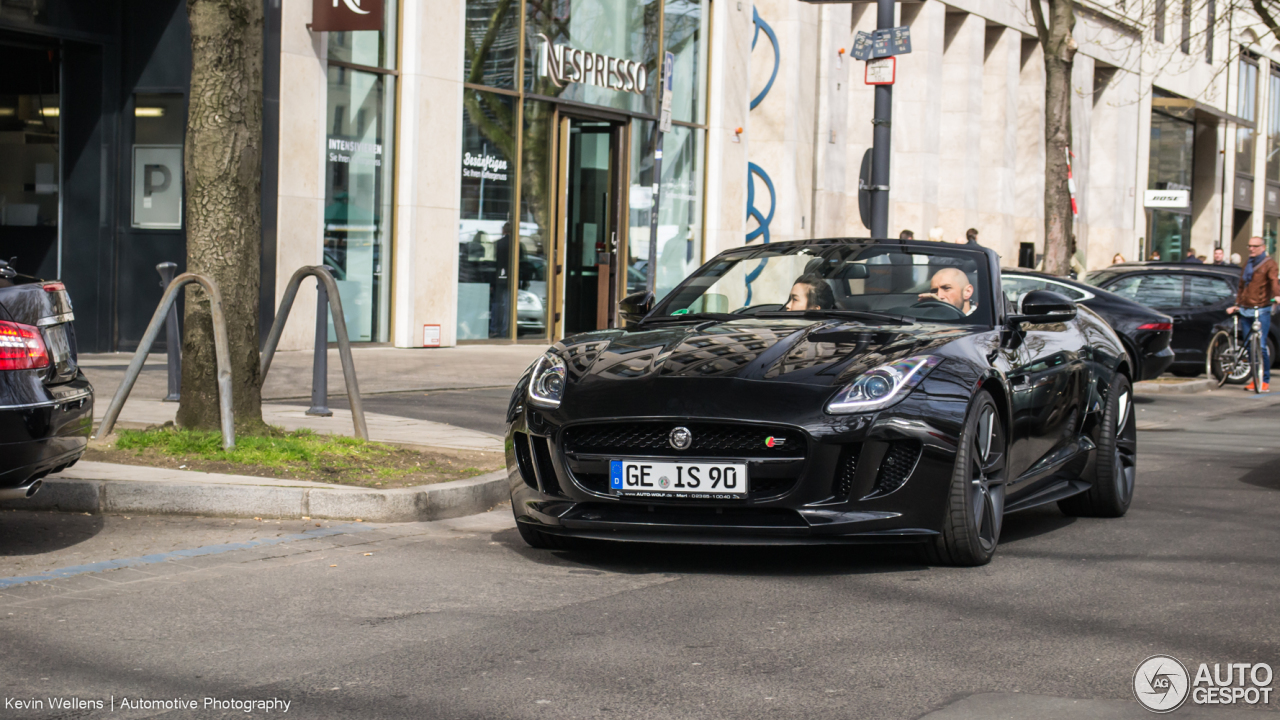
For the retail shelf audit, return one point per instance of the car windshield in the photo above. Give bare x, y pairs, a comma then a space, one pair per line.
869, 282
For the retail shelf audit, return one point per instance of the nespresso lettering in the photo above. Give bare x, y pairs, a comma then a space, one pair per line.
561, 64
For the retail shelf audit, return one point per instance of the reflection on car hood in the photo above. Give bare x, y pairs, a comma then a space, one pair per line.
779, 350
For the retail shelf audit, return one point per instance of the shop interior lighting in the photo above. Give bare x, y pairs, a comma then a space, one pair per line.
7, 112
50, 111
148, 112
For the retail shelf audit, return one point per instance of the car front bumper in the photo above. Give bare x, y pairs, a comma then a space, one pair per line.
872, 478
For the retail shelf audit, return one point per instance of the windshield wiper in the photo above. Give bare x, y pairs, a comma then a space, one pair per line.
840, 314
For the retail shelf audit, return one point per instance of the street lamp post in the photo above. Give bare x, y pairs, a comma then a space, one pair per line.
881, 138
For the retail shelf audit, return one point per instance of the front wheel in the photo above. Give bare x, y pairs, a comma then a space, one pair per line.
1226, 362
975, 505
1116, 467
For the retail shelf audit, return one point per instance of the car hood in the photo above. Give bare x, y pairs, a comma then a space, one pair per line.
795, 351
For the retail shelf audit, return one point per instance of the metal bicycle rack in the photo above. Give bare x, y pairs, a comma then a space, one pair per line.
221, 350
324, 279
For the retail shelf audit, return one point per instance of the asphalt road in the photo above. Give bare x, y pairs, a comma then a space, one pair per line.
458, 619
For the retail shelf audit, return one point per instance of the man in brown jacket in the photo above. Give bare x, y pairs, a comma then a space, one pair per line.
1259, 288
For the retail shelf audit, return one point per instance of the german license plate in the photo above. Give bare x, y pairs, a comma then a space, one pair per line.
699, 481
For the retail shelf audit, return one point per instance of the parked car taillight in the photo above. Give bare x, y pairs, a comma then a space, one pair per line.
21, 347
1156, 326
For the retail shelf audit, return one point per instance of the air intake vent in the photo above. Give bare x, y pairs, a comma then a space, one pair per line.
846, 470
546, 468
525, 461
897, 466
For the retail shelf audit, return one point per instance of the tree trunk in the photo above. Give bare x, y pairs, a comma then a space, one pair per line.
1059, 49
1057, 140
223, 161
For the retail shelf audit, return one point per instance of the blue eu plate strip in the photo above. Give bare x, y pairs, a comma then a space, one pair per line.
615, 474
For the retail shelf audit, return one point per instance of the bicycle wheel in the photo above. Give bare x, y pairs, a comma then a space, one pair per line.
1255, 360
1227, 361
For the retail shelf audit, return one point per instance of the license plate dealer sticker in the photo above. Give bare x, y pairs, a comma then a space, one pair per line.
696, 481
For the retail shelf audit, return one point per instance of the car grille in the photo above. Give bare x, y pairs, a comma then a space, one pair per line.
709, 440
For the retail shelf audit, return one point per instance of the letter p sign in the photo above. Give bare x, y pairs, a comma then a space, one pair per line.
155, 179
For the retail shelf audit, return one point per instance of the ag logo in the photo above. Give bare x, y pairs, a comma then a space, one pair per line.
1161, 683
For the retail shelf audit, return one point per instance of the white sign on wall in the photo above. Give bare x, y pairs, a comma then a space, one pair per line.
157, 187
1166, 198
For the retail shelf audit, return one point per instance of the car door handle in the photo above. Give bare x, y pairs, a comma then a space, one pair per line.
1019, 382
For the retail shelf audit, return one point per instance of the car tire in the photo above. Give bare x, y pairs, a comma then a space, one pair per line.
536, 538
1115, 468
975, 502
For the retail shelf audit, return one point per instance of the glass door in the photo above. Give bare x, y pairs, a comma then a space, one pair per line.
591, 225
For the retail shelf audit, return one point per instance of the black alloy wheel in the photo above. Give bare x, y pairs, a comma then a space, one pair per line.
1116, 468
975, 506
1227, 362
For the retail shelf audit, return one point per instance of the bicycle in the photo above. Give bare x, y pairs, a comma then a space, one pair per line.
1229, 360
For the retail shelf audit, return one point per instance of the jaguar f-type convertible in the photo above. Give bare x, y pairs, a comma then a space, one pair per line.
827, 391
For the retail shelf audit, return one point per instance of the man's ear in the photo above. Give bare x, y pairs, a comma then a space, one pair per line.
968, 292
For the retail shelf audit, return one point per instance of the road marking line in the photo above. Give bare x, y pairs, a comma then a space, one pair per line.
104, 565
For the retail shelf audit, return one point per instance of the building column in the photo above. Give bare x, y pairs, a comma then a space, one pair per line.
960, 132
1029, 194
727, 109
830, 156
428, 172
914, 174
1112, 169
997, 185
300, 215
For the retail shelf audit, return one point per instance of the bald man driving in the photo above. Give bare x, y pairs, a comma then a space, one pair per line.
951, 286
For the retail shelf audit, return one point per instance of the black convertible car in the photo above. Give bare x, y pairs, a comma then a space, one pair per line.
825, 391
46, 403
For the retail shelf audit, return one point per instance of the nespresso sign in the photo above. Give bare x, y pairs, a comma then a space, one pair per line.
562, 64
345, 15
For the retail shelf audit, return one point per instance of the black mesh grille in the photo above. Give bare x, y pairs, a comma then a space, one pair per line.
896, 467
846, 470
709, 440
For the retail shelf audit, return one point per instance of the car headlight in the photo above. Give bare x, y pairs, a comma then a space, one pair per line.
546, 385
881, 387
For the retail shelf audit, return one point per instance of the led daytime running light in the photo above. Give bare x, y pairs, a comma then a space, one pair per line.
547, 382
881, 387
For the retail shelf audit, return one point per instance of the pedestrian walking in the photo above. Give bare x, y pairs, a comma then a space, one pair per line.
1155, 256
1259, 288
1218, 257
906, 235
1235, 259
937, 235
1117, 259
1191, 257
971, 236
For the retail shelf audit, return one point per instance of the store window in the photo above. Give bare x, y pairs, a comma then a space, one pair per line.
485, 232
681, 197
1246, 108
1273, 128
30, 123
1170, 168
359, 172
159, 130
537, 212
683, 33
492, 43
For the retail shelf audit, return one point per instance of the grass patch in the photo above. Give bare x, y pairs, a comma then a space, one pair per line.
299, 455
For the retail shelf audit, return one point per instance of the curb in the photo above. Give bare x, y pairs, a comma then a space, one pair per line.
415, 504
1190, 386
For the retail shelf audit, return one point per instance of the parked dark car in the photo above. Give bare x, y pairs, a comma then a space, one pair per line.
1196, 296
877, 412
46, 403
1145, 332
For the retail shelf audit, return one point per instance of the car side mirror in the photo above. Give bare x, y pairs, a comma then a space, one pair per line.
1045, 306
633, 308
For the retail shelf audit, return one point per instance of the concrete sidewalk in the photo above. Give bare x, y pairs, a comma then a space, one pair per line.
378, 370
